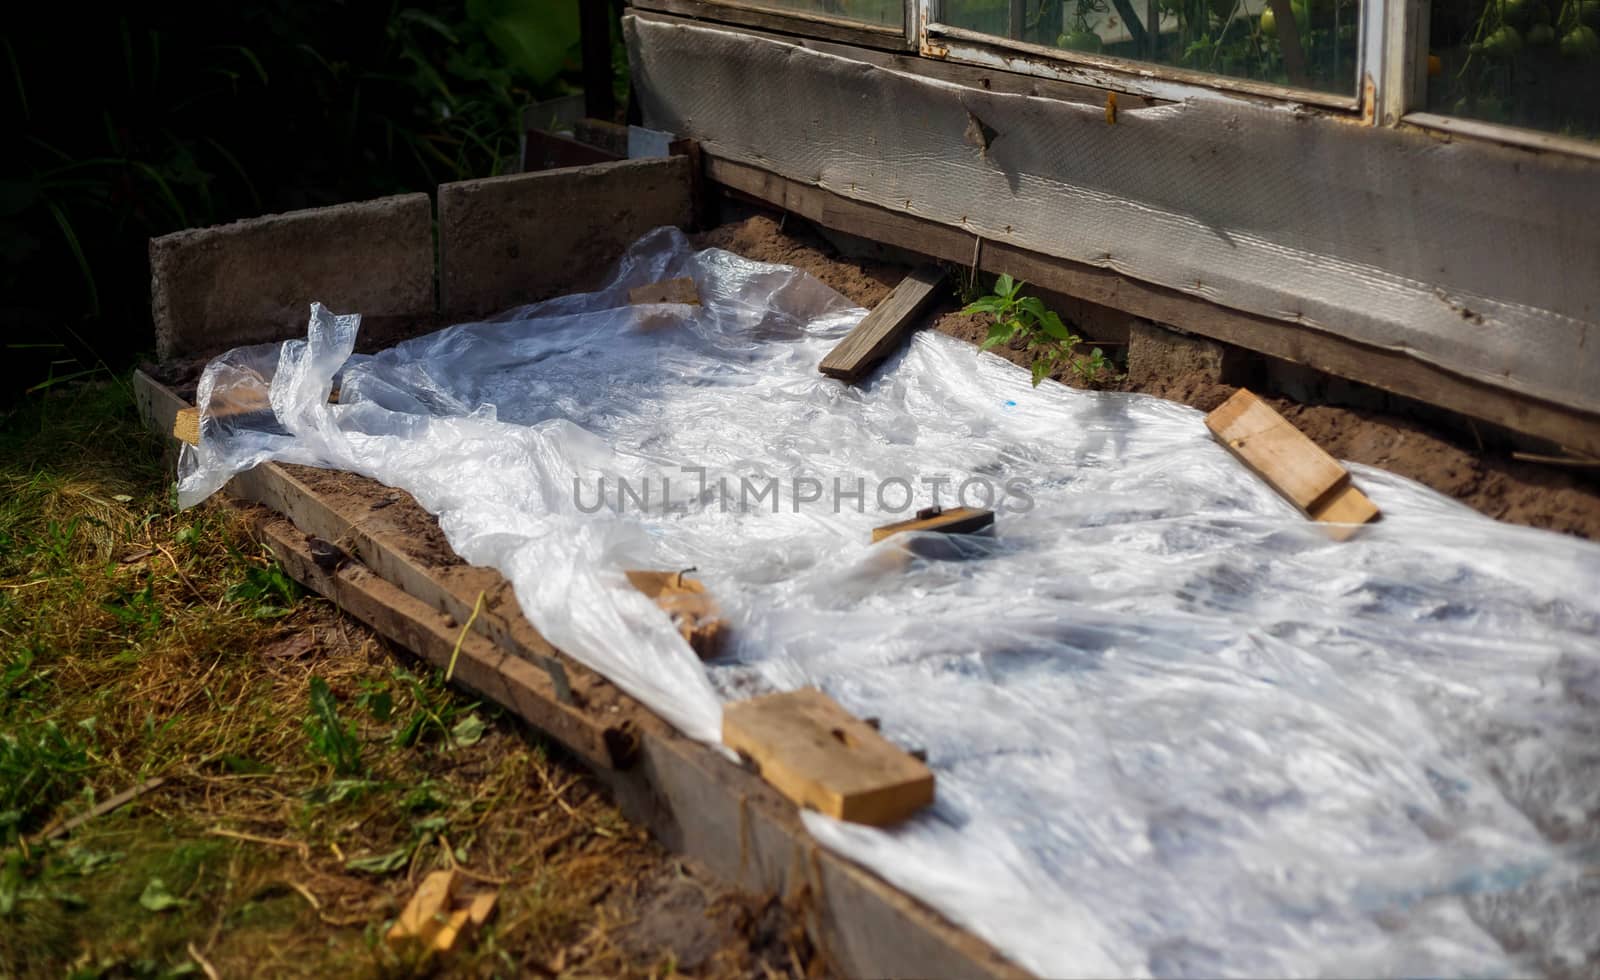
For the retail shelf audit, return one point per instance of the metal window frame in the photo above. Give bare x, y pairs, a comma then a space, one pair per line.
945, 41
1407, 100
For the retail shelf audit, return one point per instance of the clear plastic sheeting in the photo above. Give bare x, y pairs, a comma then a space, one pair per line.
1177, 730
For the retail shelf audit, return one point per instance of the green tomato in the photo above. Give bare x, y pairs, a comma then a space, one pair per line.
1541, 35
1302, 19
1581, 43
1080, 41
1517, 13
1505, 42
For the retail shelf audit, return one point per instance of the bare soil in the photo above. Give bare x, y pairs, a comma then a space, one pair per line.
1488, 481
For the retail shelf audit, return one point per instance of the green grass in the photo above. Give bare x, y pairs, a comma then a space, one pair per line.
311, 772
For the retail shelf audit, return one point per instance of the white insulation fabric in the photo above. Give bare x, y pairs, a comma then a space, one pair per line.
1176, 729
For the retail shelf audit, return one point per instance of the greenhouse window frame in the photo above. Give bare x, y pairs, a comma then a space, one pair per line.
1390, 76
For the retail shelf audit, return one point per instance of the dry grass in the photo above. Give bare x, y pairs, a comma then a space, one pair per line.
137, 642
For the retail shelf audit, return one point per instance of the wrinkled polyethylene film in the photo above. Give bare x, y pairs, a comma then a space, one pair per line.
1177, 730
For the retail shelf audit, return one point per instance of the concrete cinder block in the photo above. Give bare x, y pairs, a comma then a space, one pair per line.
509, 240
1157, 353
254, 281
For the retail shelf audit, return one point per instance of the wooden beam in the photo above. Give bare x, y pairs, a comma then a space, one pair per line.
821, 756
1390, 369
885, 328
796, 22
691, 798
956, 73
516, 665
544, 150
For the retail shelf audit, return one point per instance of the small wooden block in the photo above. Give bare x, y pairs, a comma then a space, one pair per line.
956, 520
881, 331
186, 425
428, 911
691, 607
820, 756
464, 922
437, 918
680, 290
1290, 462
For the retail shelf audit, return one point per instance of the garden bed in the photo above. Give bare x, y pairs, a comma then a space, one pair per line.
1445, 459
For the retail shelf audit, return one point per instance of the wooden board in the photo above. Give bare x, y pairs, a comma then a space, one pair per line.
1280, 453
691, 798
1390, 369
1344, 511
821, 756
883, 329
551, 151
956, 520
1291, 463
679, 290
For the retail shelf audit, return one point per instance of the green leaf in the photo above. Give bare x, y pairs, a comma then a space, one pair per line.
341, 790
1041, 368
412, 730
379, 704
329, 735
986, 304
1053, 328
1033, 306
81, 861
468, 731
156, 898
538, 39
10, 882
243, 764
999, 333
381, 864
1006, 286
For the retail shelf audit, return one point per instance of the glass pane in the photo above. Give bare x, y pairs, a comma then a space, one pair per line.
891, 13
1533, 63
1240, 38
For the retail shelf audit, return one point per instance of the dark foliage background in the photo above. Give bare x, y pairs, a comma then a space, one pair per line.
138, 120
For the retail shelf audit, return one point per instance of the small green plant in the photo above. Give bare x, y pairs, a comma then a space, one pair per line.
330, 736
434, 713
267, 591
139, 611
40, 764
1048, 339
